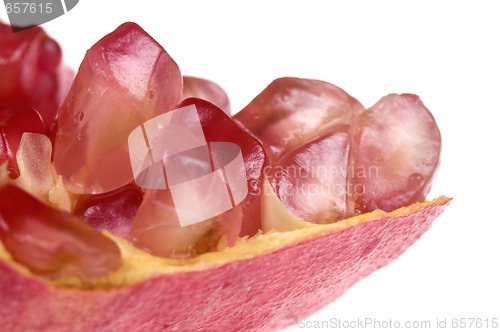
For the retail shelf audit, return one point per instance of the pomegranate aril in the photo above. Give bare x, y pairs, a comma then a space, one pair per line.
35, 167
124, 80
291, 111
399, 138
219, 127
30, 64
51, 242
206, 90
114, 211
13, 123
50, 54
156, 228
312, 180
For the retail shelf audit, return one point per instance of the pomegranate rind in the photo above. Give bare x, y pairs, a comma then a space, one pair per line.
263, 283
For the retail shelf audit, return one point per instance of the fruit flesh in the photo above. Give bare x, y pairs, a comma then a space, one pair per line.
124, 80
51, 242
13, 123
157, 228
31, 73
399, 137
219, 127
195, 87
291, 111
113, 211
312, 181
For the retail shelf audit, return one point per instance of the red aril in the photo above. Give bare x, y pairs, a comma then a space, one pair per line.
312, 179
36, 174
51, 242
157, 227
13, 123
291, 111
195, 87
397, 147
219, 127
30, 66
124, 80
49, 55
113, 211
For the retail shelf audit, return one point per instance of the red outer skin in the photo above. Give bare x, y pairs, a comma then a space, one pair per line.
260, 294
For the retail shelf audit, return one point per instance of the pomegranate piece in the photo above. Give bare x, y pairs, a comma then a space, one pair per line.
30, 66
114, 211
291, 111
195, 87
51, 242
397, 148
125, 79
312, 180
13, 123
261, 287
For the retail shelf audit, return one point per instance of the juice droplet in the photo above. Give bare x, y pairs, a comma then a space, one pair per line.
13, 173
415, 180
151, 94
81, 116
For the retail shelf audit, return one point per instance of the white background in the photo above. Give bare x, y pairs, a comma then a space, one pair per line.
447, 52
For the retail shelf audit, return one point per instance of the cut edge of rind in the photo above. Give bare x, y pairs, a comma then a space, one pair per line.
140, 266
